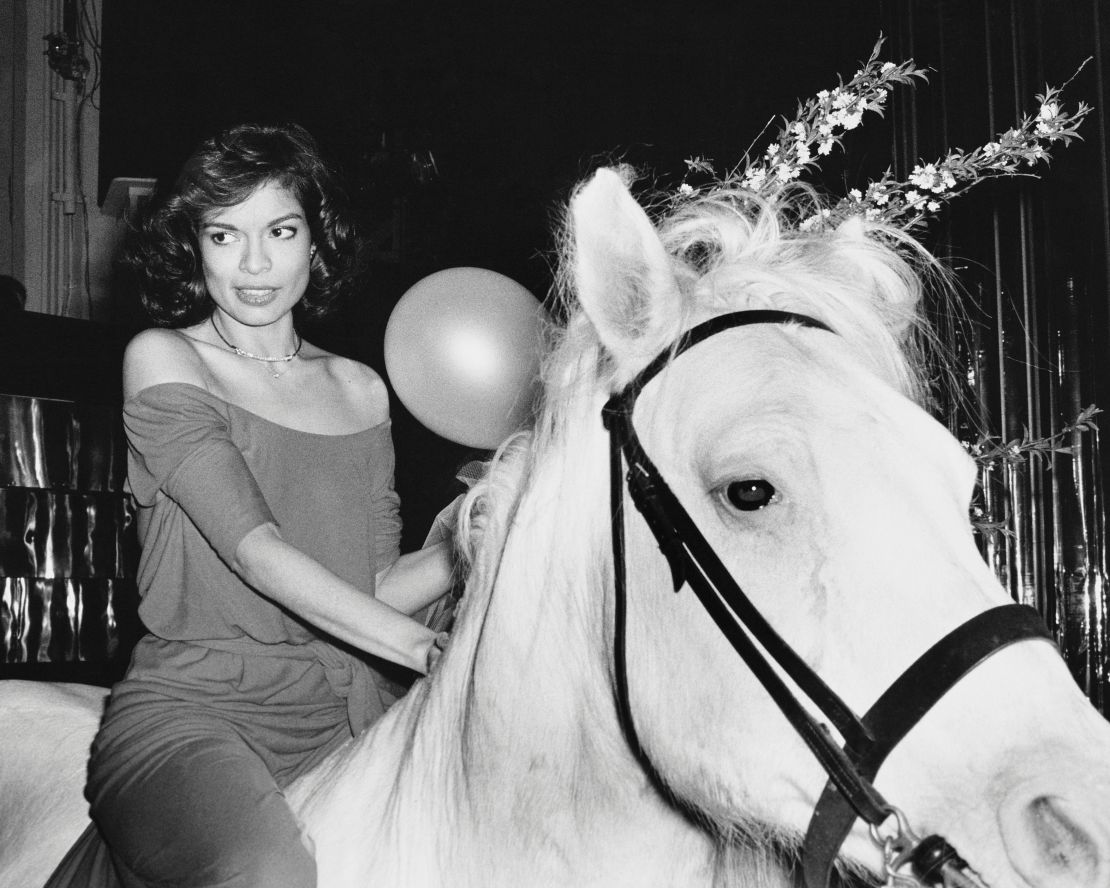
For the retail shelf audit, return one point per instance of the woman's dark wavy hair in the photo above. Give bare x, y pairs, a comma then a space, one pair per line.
163, 256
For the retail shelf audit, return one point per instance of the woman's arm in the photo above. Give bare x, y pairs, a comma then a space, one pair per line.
417, 579
287, 576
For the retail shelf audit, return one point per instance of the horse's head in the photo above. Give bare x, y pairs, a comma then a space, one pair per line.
841, 509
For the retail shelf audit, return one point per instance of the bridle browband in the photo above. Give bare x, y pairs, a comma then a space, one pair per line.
850, 792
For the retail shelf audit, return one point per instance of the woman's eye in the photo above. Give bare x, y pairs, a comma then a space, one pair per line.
750, 494
283, 232
222, 237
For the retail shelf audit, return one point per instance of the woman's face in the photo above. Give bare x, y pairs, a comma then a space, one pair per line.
256, 255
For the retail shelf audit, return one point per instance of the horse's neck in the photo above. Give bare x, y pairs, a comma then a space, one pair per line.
550, 783
510, 768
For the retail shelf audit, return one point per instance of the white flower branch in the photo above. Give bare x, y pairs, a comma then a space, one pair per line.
820, 124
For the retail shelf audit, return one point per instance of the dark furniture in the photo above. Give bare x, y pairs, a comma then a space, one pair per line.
68, 549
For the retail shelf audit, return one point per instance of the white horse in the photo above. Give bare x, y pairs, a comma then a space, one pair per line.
509, 765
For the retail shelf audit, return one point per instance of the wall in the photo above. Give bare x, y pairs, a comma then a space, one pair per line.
55, 239
7, 135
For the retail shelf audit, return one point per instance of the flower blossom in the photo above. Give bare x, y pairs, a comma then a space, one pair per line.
923, 176
929, 178
877, 195
786, 172
817, 219
1049, 111
754, 178
1047, 122
851, 121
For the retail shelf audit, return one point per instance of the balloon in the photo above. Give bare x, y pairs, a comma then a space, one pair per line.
462, 349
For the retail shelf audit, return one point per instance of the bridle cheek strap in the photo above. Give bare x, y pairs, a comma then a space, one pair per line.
900, 708
694, 562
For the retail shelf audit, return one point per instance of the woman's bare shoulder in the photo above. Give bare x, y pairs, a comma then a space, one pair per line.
158, 356
361, 389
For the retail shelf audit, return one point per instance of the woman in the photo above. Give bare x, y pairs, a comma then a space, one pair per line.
263, 468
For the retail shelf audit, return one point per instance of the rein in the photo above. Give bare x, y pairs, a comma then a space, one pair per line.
850, 792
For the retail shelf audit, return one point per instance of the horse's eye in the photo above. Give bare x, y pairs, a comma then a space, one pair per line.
750, 494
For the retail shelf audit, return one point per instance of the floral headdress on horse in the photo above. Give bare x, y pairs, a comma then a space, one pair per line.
819, 126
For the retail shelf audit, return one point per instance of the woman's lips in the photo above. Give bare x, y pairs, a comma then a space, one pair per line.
256, 295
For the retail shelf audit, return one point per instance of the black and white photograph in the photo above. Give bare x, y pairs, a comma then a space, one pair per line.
597, 444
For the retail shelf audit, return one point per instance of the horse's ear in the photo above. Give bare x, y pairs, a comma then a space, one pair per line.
622, 272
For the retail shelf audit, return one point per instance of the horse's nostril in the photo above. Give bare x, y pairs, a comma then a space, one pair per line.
1050, 848
1063, 844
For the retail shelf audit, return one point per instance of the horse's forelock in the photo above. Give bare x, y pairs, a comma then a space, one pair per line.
733, 249
867, 286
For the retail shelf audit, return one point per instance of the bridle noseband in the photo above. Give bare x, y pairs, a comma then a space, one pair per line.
850, 792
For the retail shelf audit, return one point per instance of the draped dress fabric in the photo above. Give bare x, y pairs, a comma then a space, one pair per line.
224, 670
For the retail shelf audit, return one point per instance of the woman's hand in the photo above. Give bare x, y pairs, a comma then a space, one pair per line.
417, 579
435, 651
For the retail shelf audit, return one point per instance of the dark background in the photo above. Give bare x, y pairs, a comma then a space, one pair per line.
515, 103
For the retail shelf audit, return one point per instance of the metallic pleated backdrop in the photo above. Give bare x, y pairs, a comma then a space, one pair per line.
1033, 258
68, 549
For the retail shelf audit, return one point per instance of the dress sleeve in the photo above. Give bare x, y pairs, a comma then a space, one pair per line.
386, 507
179, 443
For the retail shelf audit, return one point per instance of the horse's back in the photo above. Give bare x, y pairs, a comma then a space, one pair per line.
45, 733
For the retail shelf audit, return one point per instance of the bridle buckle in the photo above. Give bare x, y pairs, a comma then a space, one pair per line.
910, 861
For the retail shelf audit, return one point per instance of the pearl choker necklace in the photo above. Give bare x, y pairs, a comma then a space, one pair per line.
266, 359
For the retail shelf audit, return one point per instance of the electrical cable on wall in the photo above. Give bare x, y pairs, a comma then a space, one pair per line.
89, 34
66, 56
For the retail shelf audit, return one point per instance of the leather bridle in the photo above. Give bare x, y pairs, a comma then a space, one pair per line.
850, 792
